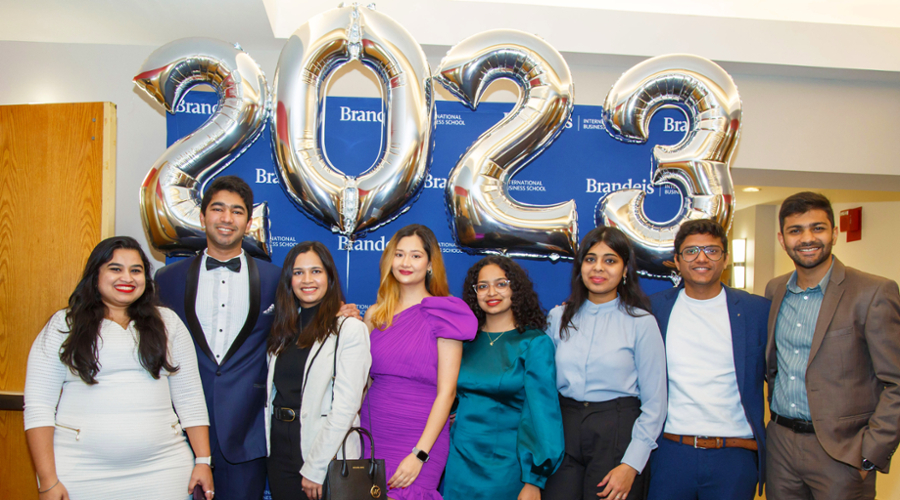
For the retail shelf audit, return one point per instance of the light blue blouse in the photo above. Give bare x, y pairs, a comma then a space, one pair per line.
613, 355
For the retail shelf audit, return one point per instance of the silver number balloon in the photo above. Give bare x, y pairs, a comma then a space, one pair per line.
352, 205
170, 195
484, 218
698, 166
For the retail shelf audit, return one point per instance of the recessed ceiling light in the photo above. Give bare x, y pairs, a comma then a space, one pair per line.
751, 189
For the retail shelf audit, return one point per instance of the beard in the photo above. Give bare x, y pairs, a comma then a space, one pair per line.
804, 262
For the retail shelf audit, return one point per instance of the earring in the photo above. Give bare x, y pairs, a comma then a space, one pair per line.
428, 272
624, 279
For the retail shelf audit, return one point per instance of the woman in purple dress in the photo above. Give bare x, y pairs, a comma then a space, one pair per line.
417, 333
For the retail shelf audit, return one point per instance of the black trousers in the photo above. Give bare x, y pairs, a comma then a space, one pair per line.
596, 435
285, 461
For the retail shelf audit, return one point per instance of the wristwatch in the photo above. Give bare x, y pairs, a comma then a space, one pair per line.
204, 461
421, 455
867, 465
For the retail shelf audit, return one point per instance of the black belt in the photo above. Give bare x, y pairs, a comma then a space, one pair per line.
285, 414
801, 426
620, 403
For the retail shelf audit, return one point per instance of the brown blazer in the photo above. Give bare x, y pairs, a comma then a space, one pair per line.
853, 372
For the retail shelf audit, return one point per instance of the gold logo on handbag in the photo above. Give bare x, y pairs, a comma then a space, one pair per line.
376, 491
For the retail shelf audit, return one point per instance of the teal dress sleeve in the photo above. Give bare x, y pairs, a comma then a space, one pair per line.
540, 445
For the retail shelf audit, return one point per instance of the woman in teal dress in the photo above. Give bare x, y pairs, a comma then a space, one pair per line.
508, 436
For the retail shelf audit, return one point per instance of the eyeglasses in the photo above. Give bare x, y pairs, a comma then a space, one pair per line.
499, 285
713, 252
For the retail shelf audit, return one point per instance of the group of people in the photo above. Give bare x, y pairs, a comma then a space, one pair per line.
613, 394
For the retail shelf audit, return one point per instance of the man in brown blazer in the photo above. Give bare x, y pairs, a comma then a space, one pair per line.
833, 365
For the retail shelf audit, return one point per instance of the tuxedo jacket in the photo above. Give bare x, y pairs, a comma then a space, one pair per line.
235, 388
853, 371
748, 315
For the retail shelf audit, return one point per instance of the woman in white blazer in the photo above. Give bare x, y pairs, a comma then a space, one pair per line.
318, 369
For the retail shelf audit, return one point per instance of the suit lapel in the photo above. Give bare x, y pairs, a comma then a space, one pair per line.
665, 312
190, 308
833, 294
777, 298
738, 335
252, 314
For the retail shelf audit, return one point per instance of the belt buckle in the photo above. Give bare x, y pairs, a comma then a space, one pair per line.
718, 442
282, 411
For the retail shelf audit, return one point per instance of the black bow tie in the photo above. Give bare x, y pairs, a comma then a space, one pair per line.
232, 265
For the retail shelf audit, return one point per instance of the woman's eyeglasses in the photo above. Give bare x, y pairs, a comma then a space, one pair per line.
483, 287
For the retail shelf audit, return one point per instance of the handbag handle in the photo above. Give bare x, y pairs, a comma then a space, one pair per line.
373, 466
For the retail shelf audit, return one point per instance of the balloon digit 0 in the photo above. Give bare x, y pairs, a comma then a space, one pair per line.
347, 205
698, 166
484, 218
170, 194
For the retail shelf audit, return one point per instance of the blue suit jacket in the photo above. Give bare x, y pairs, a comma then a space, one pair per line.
749, 315
235, 389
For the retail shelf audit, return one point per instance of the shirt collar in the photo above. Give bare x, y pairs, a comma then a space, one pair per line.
792, 282
205, 254
594, 309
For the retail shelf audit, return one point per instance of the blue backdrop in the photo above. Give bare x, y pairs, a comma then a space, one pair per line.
583, 164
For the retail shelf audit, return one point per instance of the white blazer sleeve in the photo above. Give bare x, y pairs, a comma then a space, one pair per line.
354, 359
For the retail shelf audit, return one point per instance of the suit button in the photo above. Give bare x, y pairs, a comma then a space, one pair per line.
219, 373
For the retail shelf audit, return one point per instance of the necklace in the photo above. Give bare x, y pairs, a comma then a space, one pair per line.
494, 339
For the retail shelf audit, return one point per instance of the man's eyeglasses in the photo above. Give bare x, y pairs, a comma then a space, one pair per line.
483, 287
712, 252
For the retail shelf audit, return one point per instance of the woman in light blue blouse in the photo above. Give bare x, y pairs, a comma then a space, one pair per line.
611, 374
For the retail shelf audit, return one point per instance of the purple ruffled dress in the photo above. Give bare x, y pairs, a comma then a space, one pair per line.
404, 373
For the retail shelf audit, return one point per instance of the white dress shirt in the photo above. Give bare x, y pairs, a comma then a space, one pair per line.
223, 302
703, 391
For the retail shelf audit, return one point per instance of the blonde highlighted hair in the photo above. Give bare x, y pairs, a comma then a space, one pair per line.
389, 288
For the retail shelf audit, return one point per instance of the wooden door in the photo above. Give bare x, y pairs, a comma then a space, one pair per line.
57, 201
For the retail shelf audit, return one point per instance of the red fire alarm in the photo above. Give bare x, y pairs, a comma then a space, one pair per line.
851, 223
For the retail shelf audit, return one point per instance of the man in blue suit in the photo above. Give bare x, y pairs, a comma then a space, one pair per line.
713, 442
226, 298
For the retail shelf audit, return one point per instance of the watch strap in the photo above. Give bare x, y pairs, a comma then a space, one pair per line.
420, 454
203, 461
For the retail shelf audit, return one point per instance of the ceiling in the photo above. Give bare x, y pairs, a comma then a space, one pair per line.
838, 34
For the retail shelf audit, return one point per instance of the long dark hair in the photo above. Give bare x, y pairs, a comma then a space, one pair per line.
526, 307
86, 312
287, 327
631, 298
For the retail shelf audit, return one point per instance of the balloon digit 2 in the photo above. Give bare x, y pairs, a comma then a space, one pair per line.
484, 218
170, 195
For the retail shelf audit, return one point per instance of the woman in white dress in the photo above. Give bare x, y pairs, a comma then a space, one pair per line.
102, 378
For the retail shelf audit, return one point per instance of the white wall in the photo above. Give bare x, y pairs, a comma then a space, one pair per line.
876, 252
790, 122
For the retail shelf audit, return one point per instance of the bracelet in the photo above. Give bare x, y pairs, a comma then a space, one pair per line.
48, 489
